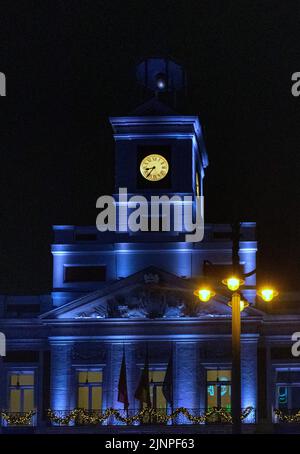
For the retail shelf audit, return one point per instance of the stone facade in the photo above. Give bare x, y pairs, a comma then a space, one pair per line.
69, 344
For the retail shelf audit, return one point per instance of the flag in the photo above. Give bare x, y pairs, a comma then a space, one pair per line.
122, 387
142, 392
168, 381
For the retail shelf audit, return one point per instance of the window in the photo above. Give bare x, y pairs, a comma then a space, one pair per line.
156, 380
22, 356
288, 397
218, 388
85, 237
85, 273
16, 310
288, 390
90, 389
158, 401
21, 392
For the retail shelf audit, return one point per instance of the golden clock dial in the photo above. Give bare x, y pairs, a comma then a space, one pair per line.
154, 167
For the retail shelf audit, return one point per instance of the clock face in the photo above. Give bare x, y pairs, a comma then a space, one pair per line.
154, 167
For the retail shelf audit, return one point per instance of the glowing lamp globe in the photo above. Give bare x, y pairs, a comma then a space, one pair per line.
204, 294
267, 294
243, 304
233, 283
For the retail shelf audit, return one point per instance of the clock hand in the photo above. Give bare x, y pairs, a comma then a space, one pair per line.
152, 168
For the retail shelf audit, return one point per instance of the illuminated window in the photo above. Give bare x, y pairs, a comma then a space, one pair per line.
288, 389
90, 389
156, 379
21, 392
218, 388
158, 401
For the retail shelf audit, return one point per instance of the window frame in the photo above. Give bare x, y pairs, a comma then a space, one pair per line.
67, 280
15, 369
286, 384
89, 385
218, 384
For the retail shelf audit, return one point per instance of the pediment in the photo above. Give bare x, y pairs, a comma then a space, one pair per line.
151, 293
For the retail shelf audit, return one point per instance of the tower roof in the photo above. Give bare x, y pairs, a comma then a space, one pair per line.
153, 107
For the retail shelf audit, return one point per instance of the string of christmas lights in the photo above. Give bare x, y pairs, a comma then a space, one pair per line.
85, 417
287, 418
23, 419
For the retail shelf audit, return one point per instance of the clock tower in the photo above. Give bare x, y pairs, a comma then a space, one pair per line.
159, 151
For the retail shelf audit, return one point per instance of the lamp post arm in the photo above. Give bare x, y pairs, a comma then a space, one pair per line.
250, 273
236, 234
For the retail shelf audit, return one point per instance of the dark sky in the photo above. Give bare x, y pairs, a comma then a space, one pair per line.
70, 64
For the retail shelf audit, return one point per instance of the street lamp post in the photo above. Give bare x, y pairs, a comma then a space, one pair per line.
237, 304
236, 363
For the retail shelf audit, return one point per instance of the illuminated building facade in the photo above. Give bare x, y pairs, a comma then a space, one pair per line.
131, 293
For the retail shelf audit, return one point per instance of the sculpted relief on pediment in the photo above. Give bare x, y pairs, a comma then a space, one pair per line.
149, 303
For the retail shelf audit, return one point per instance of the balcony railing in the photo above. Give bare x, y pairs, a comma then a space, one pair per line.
161, 416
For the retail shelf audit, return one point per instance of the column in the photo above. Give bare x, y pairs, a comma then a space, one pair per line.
202, 379
271, 385
186, 377
62, 396
249, 374
114, 360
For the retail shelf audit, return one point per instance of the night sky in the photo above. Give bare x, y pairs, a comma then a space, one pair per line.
70, 64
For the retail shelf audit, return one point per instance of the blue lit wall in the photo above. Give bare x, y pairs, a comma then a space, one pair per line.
186, 375
61, 387
249, 373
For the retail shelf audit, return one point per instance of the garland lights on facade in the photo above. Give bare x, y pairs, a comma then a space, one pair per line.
18, 419
85, 417
283, 417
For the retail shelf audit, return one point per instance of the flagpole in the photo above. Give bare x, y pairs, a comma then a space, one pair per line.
124, 404
168, 382
172, 401
142, 393
122, 386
